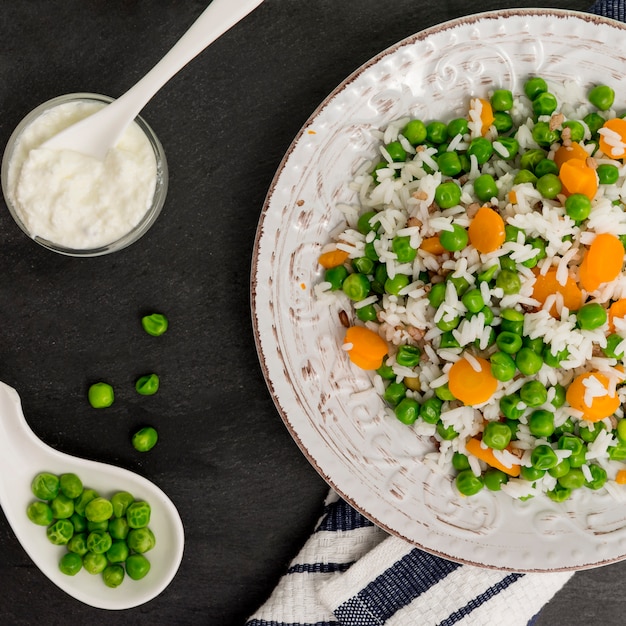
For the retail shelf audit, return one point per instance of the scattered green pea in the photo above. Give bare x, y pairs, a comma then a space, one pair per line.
148, 385
145, 439
356, 286
602, 97
468, 483
448, 195
154, 324
100, 395
70, 563
455, 239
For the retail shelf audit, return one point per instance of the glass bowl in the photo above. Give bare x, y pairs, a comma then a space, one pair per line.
148, 219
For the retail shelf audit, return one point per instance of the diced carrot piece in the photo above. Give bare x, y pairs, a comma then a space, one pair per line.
572, 151
470, 386
512, 197
432, 245
368, 348
617, 128
617, 309
577, 177
333, 258
486, 230
603, 261
600, 406
547, 284
620, 477
474, 447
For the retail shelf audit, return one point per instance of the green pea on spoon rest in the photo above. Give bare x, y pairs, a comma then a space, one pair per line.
23, 456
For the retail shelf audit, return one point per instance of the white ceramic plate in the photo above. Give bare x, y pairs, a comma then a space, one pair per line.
329, 406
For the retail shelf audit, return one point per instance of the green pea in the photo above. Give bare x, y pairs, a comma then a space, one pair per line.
502, 100
559, 493
78, 544
381, 165
531, 158
370, 252
138, 514
560, 469
437, 294
70, 485
591, 316
79, 522
546, 166
364, 223
394, 393
367, 313
468, 483
598, 477
62, 507
145, 439
590, 434
535, 86
577, 130
401, 245
430, 411
415, 132
141, 540
509, 282
574, 479
448, 194
99, 542
612, 343
559, 396
101, 525
113, 575
594, 122
119, 528
408, 356
494, 479
578, 460
154, 324
449, 164
458, 126
524, 176
544, 104
60, 532
528, 361
496, 435
512, 321
70, 564
510, 144
396, 284
607, 174
45, 486
618, 452
502, 366
460, 284
83, 500
455, 239
118, 552
407, 410
536, 344
503, 123
335, 276
40, 513
98, 510
386, 372
137, 566
531, 474
148, 385
480, 148
447, 324
436, 132
509, 406
602, 97
356, 287
544, 135
488, 274
570, 442
485, 187
100, 395
396, 151
533, 393
513, 426
443, 393
541, 423
363, 265
487, 314
554, 360
543, 457
549, 186
621, 430
507, 263
566, 427
508, 342
460, 461
473, 300
95, 563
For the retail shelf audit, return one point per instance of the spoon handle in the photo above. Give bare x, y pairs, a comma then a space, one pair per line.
214, 21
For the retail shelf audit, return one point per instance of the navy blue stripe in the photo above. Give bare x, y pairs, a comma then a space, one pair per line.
319, 568
507, 581
341, 516
263, 622
533, 620
398, 586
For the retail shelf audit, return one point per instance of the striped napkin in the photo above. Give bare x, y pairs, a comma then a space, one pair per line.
352, 573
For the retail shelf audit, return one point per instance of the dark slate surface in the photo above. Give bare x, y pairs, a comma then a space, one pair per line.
247, 495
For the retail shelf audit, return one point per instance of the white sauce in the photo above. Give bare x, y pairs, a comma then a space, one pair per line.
73, 200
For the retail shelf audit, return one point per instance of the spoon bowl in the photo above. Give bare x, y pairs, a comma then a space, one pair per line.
23, 455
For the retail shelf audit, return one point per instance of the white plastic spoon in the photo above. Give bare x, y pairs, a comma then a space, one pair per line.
97, 133
23, 455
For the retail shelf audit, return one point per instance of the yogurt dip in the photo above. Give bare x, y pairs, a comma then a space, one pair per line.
74, 201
